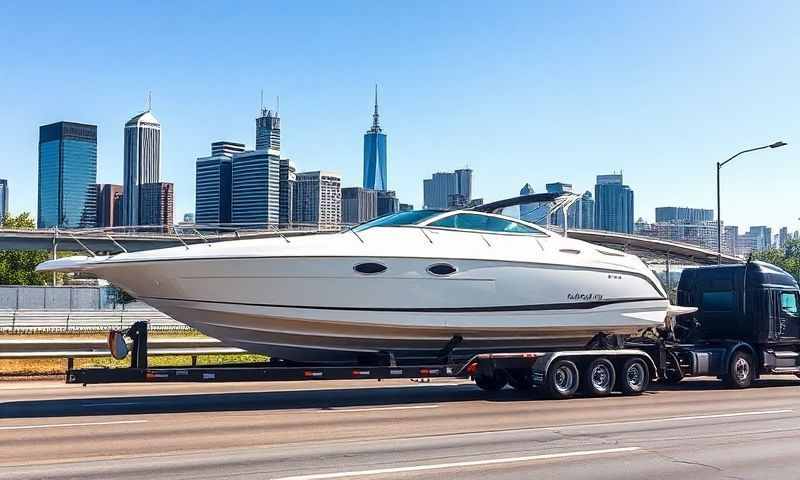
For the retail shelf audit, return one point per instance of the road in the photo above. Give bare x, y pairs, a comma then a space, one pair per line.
394, 429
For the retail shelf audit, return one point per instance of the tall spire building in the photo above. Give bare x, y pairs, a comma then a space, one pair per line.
142, 163
375, 154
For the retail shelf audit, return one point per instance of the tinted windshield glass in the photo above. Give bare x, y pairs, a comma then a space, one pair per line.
471, 221
403, 218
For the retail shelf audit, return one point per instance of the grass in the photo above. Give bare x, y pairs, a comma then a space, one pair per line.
16, 369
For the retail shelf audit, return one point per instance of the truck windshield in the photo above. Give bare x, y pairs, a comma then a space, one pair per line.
396, 219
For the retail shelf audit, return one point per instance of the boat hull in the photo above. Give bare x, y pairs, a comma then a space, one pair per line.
308, 335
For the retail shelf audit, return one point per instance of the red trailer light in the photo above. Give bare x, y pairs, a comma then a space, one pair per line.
472, 369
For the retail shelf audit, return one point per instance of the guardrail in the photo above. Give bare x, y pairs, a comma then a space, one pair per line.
42, 321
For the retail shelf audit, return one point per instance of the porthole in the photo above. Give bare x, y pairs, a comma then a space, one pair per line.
441, 269
369, 268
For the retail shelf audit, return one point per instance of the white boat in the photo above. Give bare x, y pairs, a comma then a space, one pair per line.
406, 283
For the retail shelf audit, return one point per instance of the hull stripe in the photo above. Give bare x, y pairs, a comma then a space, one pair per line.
488, 309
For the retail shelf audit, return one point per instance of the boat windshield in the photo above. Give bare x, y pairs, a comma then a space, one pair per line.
412, 217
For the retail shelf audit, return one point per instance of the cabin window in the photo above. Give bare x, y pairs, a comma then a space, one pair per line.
441, 269
483, 223
369, 268
718, 301
789, 303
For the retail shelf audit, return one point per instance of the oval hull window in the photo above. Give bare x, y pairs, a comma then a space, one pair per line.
441, 269
369, 268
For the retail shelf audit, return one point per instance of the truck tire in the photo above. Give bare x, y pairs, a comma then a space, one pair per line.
634, 377
562, 380
492, 383
599, 378
740, 370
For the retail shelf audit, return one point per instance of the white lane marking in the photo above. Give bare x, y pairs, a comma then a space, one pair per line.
62, 425
673, 419
110, 404
630, 422
376, 409
440, 466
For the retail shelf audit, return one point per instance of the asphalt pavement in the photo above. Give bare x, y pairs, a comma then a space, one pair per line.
395, 429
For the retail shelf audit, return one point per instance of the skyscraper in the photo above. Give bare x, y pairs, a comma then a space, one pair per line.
67, 175
268, 131
255, 188
445, 188
526, 211
586, 209
157, 201
286, 183
387, 202
375, 154
109, 197
358, 205
318, 199
3, 199
783, 236
213, 184
142, 162
613, 204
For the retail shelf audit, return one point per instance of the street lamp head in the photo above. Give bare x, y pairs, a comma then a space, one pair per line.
777, 144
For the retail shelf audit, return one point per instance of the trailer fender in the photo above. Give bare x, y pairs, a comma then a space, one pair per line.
542, 364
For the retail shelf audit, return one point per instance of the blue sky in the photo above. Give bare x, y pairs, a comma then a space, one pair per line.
519, 91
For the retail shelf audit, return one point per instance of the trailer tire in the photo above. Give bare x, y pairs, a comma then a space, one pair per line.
563, 380
740, 370
492, 383
634, 377
599, 378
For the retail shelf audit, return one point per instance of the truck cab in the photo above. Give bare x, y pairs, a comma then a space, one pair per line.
747, 323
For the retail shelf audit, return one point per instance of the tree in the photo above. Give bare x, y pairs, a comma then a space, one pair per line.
17, 267
787, 258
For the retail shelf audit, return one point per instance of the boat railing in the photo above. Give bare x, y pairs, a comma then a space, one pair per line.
189, 233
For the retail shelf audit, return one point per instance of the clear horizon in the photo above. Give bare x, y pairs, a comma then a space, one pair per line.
527, 93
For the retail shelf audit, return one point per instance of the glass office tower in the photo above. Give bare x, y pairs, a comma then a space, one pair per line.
375, 154
67, 176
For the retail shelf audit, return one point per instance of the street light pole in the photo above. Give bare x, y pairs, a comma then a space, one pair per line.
719, 206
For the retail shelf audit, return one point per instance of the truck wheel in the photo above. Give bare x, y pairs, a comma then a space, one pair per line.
492, 383
599, 378
563, 379
634, 377
521, 380
740, 370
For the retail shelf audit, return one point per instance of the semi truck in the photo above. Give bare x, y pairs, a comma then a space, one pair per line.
746, 325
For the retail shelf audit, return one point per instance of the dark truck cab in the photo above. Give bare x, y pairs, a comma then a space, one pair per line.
747, 323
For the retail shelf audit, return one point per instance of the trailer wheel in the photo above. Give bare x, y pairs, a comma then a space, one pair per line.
563, 379
740, 370
634, 377
521, 380
599, 378
492, 383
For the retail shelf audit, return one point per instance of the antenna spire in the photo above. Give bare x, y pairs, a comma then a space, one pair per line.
262, 99
277, 104
149, 100
375, 126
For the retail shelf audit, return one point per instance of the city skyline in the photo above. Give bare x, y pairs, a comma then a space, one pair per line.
533, 108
